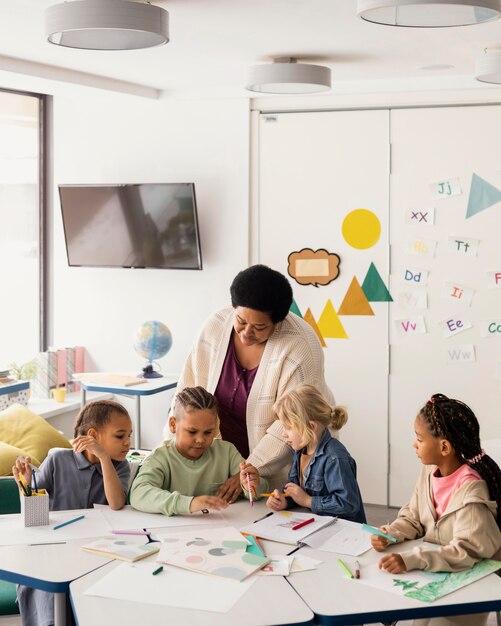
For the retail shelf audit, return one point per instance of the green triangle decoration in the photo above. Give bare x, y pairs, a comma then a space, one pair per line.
482, 196
295, 309
374, 288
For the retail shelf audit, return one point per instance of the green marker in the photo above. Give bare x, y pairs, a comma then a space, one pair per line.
345, 568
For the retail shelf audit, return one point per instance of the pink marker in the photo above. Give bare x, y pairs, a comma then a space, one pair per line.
249, 489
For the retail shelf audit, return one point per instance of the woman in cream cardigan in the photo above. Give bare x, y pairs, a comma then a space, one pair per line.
248, 355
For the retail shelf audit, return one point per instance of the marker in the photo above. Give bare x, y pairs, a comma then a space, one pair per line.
269, 495
26, 488
306, 522
70, 521
158, 570
249, 489
376, 531
345, 568
130, 532
357, 570
34, 476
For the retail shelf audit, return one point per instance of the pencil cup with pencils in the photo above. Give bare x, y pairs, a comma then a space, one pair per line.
35, 508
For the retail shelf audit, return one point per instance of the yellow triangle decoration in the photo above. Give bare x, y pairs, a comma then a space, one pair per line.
329, 323
355, 301
308, 317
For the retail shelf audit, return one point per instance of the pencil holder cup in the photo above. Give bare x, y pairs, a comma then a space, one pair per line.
35, 509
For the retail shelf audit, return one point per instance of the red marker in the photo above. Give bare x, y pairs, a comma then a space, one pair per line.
306, 521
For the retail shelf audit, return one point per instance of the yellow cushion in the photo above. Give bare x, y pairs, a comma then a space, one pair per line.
28, 431
8, 455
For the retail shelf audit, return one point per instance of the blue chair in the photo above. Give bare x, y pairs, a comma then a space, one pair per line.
9, 503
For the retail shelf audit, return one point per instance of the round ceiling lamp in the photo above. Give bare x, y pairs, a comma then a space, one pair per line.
106, 25
488, 68
429, 13
286, 76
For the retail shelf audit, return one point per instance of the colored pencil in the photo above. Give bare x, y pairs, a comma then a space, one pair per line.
70, 521
345, 568
268, 495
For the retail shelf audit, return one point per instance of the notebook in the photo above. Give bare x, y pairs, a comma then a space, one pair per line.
123, 549
288, 526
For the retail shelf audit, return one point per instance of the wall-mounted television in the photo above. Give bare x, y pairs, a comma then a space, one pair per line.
138, 226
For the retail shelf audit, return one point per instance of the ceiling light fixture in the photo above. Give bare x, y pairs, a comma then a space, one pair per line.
286, 75
488, 67
429, 13
106, 25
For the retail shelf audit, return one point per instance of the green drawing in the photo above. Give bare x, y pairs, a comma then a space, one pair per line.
455, 580
404, 584
374, 288
295, 309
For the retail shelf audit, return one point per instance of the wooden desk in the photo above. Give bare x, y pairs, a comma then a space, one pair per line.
336, 600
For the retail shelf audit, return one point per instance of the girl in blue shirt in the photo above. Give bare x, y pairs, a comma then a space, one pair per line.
323, 475
94, 472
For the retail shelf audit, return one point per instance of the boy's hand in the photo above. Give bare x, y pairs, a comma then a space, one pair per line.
277, 502
392, 563
230, 489
88, 443
23, 467
249, 476
199, 503
298, 495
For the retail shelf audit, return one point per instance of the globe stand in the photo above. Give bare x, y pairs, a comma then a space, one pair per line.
149, 372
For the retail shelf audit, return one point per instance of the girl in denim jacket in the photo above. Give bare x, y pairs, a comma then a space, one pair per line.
323, 475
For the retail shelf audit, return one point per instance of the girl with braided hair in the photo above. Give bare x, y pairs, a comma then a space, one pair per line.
456, 502
183, 475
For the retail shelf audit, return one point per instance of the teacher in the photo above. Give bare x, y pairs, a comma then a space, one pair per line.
248, 355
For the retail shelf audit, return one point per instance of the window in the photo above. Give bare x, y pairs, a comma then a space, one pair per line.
21, 232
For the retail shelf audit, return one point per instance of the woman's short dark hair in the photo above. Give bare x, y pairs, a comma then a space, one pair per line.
262, 289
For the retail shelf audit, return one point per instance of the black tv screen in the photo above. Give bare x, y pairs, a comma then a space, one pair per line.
147, 225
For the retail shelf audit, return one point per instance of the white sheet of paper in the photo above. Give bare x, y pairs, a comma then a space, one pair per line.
12, 532
303, 563
463, 245
454, 325
279, 565
446, 188
416, 299
129, 518
411, 326
374, 577
423, 217
415, 276
494, 279
497, 371
133, 582
279, 526
421, 247
461, 354
343, 538
490, 328
457, 293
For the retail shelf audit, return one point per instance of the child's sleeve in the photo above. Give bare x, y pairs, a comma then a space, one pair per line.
343, 498
475, 536
149, 492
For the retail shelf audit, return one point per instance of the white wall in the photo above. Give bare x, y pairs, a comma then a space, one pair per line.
131, 140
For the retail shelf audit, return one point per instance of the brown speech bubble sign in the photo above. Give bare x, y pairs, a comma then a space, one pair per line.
313, 267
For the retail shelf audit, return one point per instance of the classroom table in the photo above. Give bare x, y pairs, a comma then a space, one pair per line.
50, 568
152, 387
337, 600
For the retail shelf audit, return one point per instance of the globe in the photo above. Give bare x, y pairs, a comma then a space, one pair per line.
152, 341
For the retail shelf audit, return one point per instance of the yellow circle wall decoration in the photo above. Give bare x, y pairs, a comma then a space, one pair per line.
361, 229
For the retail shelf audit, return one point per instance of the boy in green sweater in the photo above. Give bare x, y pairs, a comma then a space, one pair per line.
177, 476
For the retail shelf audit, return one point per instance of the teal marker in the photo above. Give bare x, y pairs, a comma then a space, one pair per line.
375, 531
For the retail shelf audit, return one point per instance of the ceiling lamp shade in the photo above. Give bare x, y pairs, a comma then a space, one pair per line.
285, 75
106, 25
488, 69
429, 13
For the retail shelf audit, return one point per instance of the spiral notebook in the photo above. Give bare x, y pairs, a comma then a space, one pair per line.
288, 526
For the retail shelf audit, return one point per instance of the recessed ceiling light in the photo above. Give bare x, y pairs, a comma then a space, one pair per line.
436, 66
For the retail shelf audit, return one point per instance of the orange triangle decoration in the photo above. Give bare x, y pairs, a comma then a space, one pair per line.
355, 301
308, 317
329, 323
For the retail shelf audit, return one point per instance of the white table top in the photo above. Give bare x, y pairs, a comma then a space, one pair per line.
339, 600
151, 387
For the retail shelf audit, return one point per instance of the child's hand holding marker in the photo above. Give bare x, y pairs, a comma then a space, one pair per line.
249, 479
277, 501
